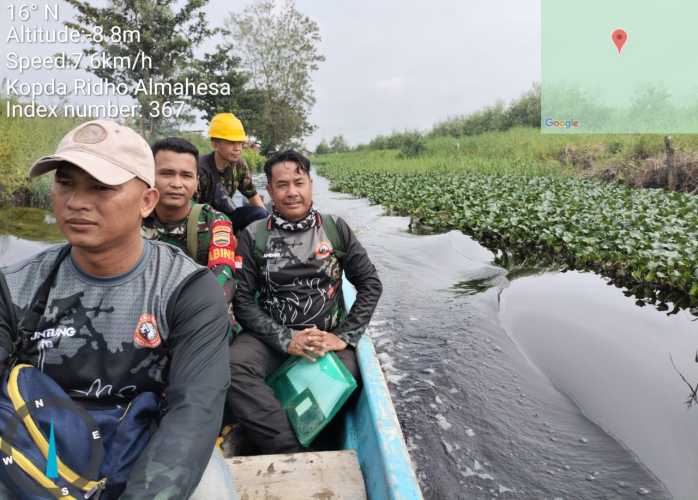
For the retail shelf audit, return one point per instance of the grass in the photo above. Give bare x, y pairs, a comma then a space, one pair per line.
23, 141
519, 151
516, 193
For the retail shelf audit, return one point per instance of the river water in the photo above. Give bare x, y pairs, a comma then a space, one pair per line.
548, 385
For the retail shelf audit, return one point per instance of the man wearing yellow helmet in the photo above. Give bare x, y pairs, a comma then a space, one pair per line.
224, 171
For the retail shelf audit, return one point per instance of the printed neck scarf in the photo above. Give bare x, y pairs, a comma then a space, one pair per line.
310, 220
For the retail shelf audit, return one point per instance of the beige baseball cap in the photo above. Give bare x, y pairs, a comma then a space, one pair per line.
109, 152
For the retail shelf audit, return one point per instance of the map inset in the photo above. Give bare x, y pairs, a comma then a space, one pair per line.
620, 66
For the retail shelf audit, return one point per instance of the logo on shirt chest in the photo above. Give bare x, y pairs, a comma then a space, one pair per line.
146, 333
323, 249
47, 337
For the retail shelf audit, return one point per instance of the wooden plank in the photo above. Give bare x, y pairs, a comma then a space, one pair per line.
327, 475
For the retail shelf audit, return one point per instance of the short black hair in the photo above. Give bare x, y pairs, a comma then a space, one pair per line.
176, 144
288, 155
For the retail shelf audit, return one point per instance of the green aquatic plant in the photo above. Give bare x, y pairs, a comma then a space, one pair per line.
644, 239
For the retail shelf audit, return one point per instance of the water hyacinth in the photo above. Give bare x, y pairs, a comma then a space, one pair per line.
644, 239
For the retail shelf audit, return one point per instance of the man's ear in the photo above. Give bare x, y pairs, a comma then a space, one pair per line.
149, 200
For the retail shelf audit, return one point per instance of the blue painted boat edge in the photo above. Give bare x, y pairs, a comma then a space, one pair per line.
373, 430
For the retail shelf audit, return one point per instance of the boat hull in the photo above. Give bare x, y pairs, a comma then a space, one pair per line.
372, 429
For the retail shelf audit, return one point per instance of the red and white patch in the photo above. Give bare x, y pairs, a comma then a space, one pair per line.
323, 249
221, 250
146, 333
238, 262
222, 234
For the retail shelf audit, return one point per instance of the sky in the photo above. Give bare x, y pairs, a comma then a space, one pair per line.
395, 65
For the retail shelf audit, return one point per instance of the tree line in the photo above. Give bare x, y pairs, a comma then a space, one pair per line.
266, 53
522, 112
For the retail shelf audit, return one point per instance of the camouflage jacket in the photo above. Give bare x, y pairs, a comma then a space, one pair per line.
215, 249
216, 188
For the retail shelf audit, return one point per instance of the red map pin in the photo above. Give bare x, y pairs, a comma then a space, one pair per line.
619, 38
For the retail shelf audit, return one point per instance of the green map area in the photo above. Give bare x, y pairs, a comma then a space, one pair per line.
651, 86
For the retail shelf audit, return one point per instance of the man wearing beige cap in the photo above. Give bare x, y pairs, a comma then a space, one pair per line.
119, 316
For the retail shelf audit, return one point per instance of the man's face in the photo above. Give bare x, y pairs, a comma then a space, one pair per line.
175, 178
93, 216
228, 150
291, 190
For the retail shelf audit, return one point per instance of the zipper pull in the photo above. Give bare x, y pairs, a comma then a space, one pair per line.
101, 484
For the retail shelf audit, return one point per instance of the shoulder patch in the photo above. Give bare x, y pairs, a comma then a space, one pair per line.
323, 249
146, 333
221, 250
222, 233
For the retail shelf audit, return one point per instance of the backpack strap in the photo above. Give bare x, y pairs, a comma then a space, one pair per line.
334, 235
193, 230
37, 306
260, 241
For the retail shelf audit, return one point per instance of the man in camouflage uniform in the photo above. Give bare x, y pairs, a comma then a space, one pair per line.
224, 171
214, 244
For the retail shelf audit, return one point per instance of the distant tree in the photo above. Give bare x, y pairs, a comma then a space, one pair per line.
223, 66
323, 148
338, 144
525, 111
413, 145
169, 30
279, 47
651, 108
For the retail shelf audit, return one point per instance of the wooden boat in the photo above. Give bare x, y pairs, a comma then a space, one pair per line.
372, 462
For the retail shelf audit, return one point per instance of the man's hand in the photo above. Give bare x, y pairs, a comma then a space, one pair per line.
256, 201
323, 342
300, 345
313, 343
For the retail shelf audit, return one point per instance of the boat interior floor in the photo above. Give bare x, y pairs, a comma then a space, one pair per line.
322, 475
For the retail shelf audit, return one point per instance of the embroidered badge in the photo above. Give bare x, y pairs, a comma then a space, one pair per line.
238, 262
147, 334
91, 133
221, 250
323, 250
222, 234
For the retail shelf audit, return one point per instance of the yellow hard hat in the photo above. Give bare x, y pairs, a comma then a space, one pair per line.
227, 126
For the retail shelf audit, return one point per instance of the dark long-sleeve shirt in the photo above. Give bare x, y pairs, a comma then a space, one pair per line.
161, 327
299, 285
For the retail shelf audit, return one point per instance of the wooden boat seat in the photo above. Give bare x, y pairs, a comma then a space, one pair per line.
326, 475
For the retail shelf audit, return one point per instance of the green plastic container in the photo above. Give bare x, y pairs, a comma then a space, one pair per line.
312, 393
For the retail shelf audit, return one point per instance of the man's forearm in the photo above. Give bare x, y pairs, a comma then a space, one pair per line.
363, 275
173, 462
257, 322
367, 294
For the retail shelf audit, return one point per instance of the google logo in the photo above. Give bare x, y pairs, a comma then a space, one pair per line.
549, 122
